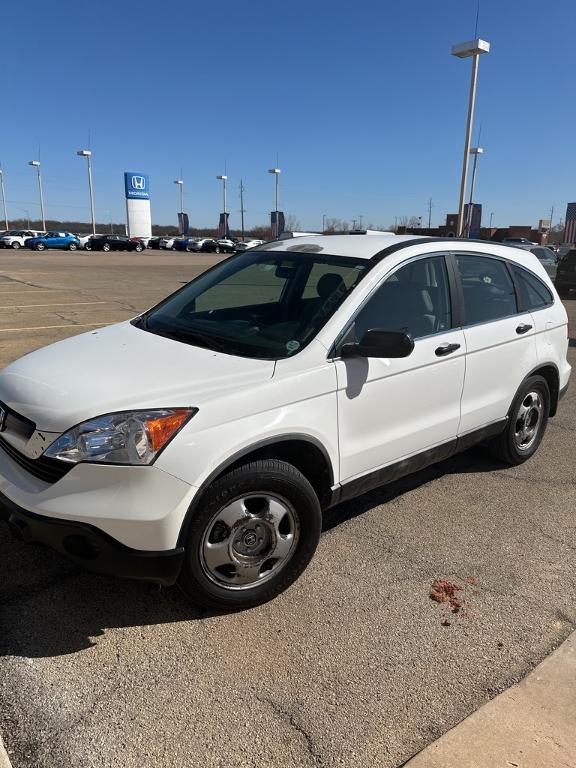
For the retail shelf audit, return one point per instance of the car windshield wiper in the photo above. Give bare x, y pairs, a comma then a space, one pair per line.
191, 336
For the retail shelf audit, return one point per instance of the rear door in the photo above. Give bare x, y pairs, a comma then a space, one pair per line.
500, 339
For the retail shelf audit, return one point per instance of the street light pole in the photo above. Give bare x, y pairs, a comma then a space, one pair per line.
224, 179
4, 198
180, 183
88, 155
323, 223
491, 216
36, 164
242, 208
474, 49
474, 151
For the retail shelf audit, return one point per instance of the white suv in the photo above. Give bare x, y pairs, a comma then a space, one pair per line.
16, 238
201, 441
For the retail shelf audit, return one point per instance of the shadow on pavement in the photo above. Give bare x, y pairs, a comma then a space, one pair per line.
49, 607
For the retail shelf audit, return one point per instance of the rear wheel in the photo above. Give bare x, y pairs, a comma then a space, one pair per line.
139, 247
106, 247
254, 533
40, 246
527, 420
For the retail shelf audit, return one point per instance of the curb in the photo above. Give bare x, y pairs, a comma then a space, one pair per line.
4, 759
531, 724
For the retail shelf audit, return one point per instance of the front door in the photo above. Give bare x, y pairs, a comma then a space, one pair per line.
391, 409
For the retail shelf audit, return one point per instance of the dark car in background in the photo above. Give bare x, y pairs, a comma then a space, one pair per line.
219, 246
547, 258
116, 243
566, 274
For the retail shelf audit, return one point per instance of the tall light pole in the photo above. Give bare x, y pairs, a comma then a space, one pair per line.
180, 183
224, 179
323, 223
4, 197
88, 155
473, 49
242, 208
36, 164
491, 217
276, 172
474, 151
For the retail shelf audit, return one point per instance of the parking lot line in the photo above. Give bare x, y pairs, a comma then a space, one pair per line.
57, 304
46, 327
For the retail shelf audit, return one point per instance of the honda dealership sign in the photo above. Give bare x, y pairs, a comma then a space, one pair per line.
137, 189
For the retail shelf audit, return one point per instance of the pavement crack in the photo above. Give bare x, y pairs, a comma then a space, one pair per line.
289, 718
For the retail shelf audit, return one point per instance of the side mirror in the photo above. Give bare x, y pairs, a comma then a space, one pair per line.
380, 343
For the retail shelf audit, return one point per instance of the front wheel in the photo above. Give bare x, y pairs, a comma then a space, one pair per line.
254, 533
527, 420
15, 245
72, 247
139, 247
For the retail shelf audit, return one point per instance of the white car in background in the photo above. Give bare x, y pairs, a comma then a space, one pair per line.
85, 241
166, 243
16, 238
248, 244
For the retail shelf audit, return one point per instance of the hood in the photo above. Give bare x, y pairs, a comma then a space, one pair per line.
116, 369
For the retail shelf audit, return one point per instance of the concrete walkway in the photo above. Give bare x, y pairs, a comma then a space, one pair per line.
531, 725
4, 761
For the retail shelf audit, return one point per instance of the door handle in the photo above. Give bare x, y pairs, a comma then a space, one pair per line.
446, 349
523, 328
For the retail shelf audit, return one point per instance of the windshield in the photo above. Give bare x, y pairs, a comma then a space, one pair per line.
257, 304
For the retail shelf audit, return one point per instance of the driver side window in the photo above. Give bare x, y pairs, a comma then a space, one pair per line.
414, 299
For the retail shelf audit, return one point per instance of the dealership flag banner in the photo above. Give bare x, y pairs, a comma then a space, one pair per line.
278, 224
570, 226
223, 230
183, 224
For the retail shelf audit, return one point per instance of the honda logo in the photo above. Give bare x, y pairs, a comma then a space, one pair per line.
138, 182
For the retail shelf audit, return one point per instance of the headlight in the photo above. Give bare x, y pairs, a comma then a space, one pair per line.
133, 437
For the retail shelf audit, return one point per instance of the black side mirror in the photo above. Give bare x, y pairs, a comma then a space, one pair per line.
380, 343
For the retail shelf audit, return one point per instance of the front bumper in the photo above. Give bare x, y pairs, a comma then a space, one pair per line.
91, 548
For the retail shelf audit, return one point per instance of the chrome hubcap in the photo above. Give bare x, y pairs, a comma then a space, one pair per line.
249, 540
528, 420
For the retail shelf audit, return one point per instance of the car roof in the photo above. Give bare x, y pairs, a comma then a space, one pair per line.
370, 246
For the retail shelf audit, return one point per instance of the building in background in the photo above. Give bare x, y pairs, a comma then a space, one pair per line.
138, 216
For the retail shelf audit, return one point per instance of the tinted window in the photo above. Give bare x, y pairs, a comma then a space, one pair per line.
544, 254
533, 293
258, 304
488, 289
415, 299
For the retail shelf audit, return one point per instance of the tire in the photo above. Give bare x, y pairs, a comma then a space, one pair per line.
217, 249
106, 247
72, 247
40, 246
15, 245
87, 247
527, 420
139, 248
269, 507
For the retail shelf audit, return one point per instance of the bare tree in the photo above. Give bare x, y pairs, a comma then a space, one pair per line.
336, 225
292, 223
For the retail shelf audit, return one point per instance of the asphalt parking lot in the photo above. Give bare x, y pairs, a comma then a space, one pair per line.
355, 665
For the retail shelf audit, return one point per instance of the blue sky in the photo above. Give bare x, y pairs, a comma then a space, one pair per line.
362, 103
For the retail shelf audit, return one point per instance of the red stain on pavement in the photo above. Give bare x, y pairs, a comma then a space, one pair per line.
443, 591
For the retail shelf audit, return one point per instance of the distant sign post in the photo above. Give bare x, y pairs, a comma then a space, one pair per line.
137, 192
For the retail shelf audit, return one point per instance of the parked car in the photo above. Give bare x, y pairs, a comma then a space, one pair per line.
547, 258
518, 241
86, 241
243, 246
197, 243
201, 441
116, 243
219, 246
167, 242
566, 274
62, 240
17, 238
143, 240
154, 243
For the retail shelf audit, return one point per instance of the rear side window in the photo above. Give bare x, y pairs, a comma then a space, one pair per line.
488, 289
533, 293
